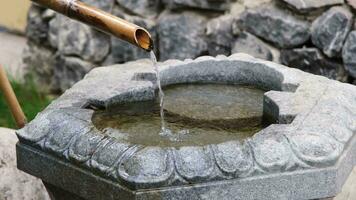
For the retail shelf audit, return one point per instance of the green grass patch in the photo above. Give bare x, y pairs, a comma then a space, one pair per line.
31, 101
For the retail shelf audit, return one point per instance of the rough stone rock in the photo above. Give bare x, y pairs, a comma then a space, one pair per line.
250, 44
255, 3
219, 35
69, 70
39, 62
37, 27
309, 5
105, 5
236, 8
15, 184
236, 29
330, 30
352, 3
181, 35
53, 28
48, 14
217, 5
147, 8
275, 25
75, 38
313, 61
122, 51
348, 54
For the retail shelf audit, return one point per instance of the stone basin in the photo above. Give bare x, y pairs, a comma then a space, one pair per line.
306, 152
195, 114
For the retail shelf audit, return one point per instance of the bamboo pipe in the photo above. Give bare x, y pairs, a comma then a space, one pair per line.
101, 20
11, 99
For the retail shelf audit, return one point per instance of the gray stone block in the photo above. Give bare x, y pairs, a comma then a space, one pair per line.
348, 54
37, 26
73, 38
69, 70
250, 44
352, 3
39, 63
186, 29
219, 35
275, 25
329, 30
305, 6
144, 8
313, 61
219, 5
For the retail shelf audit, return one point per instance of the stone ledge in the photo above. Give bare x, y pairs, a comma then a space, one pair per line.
327, 182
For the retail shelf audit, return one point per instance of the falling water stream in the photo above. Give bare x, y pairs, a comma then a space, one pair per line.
166, 132
160, 91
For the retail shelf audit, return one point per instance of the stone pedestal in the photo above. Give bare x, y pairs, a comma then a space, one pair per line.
306, 154
56, 193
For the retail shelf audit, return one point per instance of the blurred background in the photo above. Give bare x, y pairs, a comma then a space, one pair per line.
14, 14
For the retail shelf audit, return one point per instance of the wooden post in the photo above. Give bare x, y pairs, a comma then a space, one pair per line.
10, 97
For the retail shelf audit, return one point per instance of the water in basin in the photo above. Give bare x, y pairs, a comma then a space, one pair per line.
195, 114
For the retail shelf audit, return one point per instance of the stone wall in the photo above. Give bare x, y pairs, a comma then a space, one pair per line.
313, 35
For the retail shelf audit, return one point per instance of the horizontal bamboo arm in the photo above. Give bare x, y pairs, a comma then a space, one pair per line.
101, 20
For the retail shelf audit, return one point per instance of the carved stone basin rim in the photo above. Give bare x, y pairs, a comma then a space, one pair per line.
316, 122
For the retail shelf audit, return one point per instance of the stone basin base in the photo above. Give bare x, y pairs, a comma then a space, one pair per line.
326, 182
307, 153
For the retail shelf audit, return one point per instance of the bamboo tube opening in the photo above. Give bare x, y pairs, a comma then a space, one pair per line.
143, 39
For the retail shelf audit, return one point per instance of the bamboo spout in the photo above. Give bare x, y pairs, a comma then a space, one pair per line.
101, 20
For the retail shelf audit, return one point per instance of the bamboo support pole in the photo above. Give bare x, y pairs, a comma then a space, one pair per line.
10, 97
101, 20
